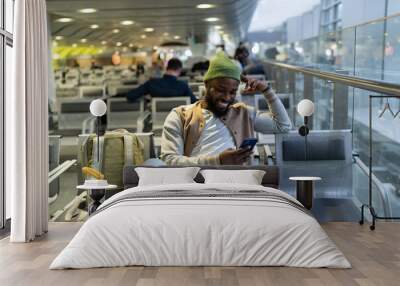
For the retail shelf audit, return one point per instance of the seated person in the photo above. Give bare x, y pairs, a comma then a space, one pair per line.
210, 131
167, 86
249, 65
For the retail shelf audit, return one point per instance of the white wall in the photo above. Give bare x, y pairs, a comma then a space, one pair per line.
304, 26
316, 19
393, 7
294, 29
307, 25
360, 11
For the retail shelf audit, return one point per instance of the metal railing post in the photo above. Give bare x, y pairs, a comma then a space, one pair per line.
340, 104
309, 92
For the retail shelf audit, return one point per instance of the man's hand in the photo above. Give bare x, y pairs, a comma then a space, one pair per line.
253, 85
235, 157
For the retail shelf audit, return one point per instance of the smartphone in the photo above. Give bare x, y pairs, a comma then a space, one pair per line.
248, 143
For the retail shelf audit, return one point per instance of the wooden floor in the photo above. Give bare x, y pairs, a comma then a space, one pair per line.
375, 257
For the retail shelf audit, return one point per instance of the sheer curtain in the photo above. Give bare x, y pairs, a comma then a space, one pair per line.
27, 123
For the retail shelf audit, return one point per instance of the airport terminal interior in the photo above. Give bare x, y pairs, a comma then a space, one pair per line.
123, 82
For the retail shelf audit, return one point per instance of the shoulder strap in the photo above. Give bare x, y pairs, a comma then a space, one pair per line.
98, 165
128, 149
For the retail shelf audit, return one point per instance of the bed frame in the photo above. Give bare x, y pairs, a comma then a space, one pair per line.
270, 179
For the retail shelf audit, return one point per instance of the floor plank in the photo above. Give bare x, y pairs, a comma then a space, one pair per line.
375, 257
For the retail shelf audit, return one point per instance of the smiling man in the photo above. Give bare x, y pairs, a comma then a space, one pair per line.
211, 131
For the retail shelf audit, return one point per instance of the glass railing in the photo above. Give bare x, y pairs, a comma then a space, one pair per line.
370, 50
342, 105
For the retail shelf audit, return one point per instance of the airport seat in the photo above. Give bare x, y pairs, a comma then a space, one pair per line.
92, 91
195, 86
96, 79
260, 103
184, 78
329, 156
85, 75
54, 161
72, 77
72, 113
114, 90
128, 115
161, 107
66, 90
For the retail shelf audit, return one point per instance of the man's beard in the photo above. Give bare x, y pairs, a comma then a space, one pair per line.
212, 106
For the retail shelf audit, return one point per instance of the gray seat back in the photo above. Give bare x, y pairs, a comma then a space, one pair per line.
72, 112
123, 114
328, 155
261, 102
92, 91
162, 106
120, 89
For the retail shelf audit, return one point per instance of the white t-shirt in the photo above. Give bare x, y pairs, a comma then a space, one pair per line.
215, 137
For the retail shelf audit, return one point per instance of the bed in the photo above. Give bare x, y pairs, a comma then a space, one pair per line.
198, 224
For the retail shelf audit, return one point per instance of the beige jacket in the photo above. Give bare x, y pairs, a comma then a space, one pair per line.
193, 124
184, 126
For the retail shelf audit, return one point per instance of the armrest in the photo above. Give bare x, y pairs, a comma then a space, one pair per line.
88, 125
59, 170
268, 151
143, 121
265, 154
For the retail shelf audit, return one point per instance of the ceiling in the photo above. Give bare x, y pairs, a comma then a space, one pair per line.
168, 18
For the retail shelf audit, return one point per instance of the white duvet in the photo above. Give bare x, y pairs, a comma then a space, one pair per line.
200, 231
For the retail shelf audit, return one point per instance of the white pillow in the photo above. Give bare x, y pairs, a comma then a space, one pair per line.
247, 177
166, 176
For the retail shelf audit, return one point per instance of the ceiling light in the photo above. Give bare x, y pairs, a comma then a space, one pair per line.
131, 45
64, 20
166, 34
87, 10
205, 6
149, 29
118, 44
94, 26
59, 38
127, 22
177, 37
74, 45
104, 42
211, 19
218, 27
83, 40
115, 31
143, 36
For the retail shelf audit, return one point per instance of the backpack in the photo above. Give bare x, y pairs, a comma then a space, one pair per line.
118, 148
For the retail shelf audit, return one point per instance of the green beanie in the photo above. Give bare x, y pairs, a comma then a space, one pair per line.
222, 66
